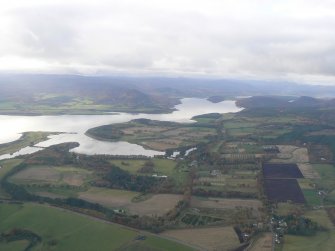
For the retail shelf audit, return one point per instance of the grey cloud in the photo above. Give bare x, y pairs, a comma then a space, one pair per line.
130, 36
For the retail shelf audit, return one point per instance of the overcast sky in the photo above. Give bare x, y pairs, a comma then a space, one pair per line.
275, 39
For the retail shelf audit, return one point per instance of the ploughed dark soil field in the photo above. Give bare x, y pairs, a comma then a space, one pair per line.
281, 171
282, 190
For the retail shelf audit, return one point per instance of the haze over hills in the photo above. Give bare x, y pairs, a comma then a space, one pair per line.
285, 102
180, 125
174, 86
76, 94
150, 94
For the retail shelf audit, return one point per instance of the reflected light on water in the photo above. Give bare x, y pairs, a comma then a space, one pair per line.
75, 126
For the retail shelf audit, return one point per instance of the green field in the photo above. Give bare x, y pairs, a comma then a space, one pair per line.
324, 241
312, 197
321, 217
7, 165
63, 230
327, 174
14, 246
327, 181
165, 166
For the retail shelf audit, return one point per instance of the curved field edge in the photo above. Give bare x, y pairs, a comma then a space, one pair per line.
26, 139
64, 230
155, 135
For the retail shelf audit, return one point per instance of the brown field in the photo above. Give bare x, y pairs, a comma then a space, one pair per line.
162, 144
109, 197
200, 134
215, 238
306, 184
50, 195
322, 132
331, 214
158, 204
263, 243
308, 171
52, 175
291, 154
300, 155
176, 137
221, 203
74, 179
43, 174
177, 132
145, 130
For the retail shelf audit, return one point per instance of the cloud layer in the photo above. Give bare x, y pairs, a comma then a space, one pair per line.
288, 39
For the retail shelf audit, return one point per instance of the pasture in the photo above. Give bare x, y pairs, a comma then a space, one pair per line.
63, 230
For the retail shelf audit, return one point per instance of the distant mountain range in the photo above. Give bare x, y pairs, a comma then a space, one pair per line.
285, 102
145, 92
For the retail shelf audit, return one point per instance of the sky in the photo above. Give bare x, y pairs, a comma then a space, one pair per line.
254, 39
